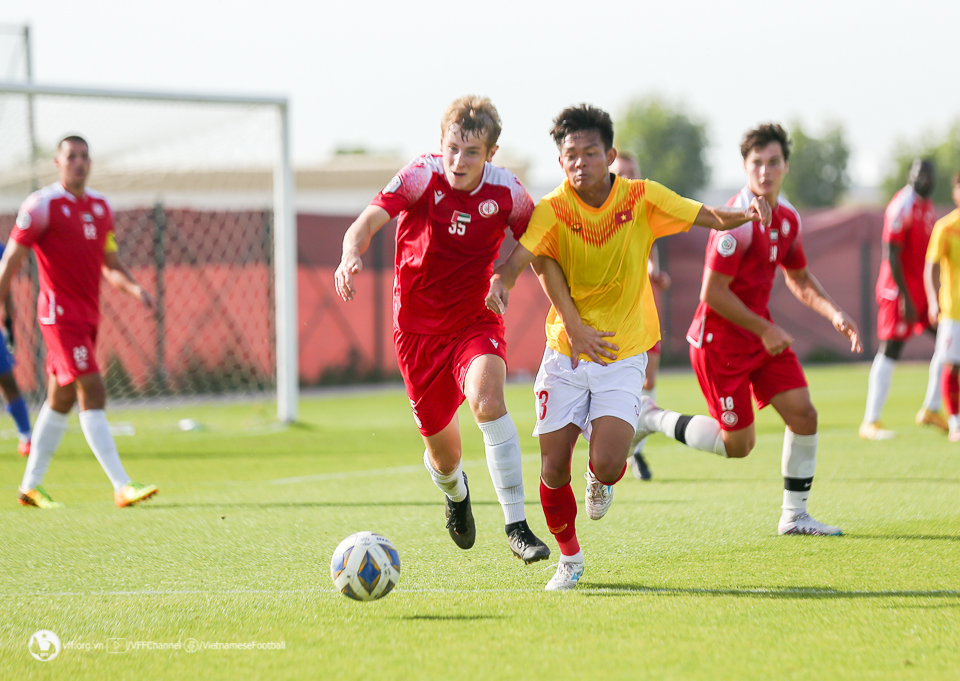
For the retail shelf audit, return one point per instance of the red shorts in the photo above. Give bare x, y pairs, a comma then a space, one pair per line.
890, 322
71, 350
728, 380
435, 367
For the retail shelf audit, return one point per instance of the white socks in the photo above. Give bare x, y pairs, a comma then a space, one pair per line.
932, 400
47, 433
96, 430
452, 485
699, 432
878, 388
798, 465
640, 442
502, 445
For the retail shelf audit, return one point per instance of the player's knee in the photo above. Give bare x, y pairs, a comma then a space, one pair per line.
554, 474
803, 421
739, 447
488, 407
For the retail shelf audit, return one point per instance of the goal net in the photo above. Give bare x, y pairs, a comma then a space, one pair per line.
200, 187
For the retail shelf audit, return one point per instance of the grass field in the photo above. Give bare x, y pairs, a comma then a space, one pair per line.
686, 577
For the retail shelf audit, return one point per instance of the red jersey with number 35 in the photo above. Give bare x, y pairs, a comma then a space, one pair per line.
907, 223
447, 242
751, 254
69, 236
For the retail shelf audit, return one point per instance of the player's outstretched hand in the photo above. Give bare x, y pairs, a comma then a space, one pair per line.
349, 266
776, 340
760, 210
933, 313
848, 327
497, 296
586, 340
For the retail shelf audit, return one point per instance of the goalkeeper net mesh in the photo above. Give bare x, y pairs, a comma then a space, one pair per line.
191, 185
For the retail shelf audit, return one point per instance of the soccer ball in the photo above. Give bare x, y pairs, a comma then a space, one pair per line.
365, 566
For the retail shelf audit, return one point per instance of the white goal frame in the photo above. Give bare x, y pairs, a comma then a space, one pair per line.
284, 219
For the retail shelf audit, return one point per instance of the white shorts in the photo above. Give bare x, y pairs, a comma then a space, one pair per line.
578, 396
948, 341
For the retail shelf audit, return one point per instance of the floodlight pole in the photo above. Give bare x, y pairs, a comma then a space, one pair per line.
285, 276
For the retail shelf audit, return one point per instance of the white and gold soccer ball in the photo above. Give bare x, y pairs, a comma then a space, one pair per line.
365, 566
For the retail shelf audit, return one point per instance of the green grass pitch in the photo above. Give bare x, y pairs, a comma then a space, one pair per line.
685, 578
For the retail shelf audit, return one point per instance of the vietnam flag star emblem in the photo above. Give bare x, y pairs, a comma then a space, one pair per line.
623, 217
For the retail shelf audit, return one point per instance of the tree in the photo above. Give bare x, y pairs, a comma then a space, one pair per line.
945, 152
818, 168
669, 143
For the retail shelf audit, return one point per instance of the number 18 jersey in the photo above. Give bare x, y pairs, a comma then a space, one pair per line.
447, 242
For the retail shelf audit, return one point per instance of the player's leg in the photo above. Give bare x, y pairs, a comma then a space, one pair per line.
17, 408
929, 414
951, 398
638, 464
892, 331
48, 431
483, 388
560, 504
442, 459
610, 438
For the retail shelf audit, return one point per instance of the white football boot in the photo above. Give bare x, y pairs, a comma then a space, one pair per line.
804, 523
648, 409
598, 497
566, 577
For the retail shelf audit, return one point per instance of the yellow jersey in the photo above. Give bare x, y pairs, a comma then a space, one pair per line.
944, 250
603, 253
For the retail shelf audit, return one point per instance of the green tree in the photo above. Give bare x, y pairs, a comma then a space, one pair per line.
943, 149
669, 143
818, 168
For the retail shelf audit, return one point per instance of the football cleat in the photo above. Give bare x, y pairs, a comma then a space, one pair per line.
525, 544
23, 448
133, 493
648, 408
38, 498
874, 431
460, 523
641, 471
598, 497
806, 524
566, 577
925, 417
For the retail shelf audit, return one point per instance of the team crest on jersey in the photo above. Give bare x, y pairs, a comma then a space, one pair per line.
489, 208
86, 217
726, 245
66, 210
24, 220
729, 418
785, 228
98, 210
393, 185
623, 216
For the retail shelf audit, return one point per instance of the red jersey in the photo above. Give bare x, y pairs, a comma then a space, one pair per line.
750, 254
69, 236
908, 223
447, 242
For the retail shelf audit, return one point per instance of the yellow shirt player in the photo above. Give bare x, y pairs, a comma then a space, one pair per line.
589, 241
944, 310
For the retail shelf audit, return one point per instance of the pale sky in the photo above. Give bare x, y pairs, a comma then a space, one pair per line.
379, 74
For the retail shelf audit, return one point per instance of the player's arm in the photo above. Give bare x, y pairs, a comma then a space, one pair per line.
355, 243
808, 291
930, 287
115, 272
505, 278
716, 293
723, 219
892, 253
584, 339
13, 256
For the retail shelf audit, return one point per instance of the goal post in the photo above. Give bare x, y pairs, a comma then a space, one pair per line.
185, 145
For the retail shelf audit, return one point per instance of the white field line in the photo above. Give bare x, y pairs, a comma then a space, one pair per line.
936, 593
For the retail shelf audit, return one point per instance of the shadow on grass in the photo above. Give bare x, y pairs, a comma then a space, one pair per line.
307, 504
785, 592
446, 618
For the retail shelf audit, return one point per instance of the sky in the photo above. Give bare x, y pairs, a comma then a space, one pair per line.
379, 74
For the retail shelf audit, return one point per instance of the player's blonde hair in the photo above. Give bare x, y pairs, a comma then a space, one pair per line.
473, 114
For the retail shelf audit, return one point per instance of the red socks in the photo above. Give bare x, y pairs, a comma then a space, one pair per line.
950, 386
560, 510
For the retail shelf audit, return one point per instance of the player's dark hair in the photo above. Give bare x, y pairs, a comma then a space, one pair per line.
579, 118
763, 135
473, 114
73, 139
